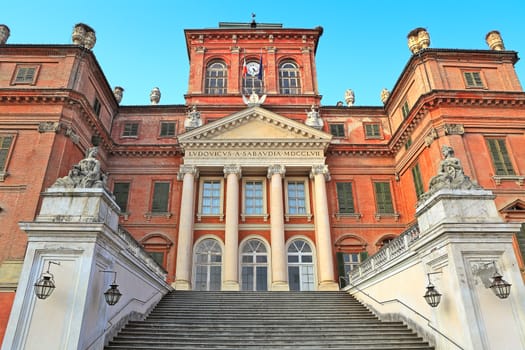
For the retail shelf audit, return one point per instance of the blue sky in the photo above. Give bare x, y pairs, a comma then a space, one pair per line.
140, 44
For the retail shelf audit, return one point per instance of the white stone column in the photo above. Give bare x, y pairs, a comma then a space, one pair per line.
279, 263
188, 174
232, 173
323, 239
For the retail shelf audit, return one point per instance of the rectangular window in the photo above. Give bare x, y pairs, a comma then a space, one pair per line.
418, 181
372, 130
158, 257
121, 193
405, 110
346, 262
500, 156
167, 129
25, 75
345, 198
253, 197
161, 192
338, 130
383, 198
211, 197
97, 106
296, 197
5, 145
473, 80
130, 130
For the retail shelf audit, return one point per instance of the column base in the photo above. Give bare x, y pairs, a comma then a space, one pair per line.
328, 286
280, 287
181, 285
230, 286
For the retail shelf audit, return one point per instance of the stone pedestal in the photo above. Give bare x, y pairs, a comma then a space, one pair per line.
77, 229
462, 236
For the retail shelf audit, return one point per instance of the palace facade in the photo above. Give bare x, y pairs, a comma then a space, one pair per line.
253, 184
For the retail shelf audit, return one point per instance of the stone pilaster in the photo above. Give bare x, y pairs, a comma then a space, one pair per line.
188, 174
279, 264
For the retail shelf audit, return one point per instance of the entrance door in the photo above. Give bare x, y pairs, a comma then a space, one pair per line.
300, 266
254, 266
208, 265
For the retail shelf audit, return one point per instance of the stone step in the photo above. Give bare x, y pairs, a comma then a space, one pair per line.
264, 320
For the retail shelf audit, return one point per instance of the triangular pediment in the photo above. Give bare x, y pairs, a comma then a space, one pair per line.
254, 125
516, 206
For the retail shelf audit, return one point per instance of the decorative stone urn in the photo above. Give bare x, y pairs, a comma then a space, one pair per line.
118, 93
385, 94
154, 96
83, 35
349, 97
494, 41
4, 33
418, 39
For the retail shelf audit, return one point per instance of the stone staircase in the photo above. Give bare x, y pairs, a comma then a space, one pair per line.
264, 320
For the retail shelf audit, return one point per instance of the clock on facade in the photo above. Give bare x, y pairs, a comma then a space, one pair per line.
253, 68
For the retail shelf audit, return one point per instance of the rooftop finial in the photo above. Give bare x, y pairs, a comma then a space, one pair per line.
253, 24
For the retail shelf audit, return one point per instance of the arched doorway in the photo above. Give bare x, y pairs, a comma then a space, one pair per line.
301, 276
208, 265
254, 266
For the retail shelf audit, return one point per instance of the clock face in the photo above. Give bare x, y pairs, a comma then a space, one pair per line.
252, 68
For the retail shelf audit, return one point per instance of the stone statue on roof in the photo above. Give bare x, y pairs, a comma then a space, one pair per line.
193, 119
313, 118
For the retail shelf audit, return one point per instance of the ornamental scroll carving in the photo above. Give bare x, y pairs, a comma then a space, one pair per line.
85, 174
450, 176
454, 129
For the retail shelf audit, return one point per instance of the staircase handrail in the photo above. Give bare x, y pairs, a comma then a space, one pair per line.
402, 303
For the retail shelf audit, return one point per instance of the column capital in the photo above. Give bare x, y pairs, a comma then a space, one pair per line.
187, 169
276, 169
321, 169
232, 169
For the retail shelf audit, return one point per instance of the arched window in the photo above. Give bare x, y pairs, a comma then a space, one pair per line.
216, 78
157, 246
300, 266
251, 79
289, 80
208, 265
254, 266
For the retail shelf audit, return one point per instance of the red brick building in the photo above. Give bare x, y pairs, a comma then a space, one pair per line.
253, 183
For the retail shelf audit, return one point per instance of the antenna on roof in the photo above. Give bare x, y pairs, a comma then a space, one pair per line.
253, 24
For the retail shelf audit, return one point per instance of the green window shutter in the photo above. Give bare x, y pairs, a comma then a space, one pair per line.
345, 197
418, 181
383, 198
363, 256
500, 157
5, 145
341, 268
160, 197
468, 78
520, 237
121, 193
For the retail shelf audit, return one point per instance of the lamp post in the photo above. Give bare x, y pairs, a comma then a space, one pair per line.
45, 286
112, 295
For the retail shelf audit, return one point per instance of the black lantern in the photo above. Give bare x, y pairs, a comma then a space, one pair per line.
45, 286
432, 296
499, 286
112, 295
